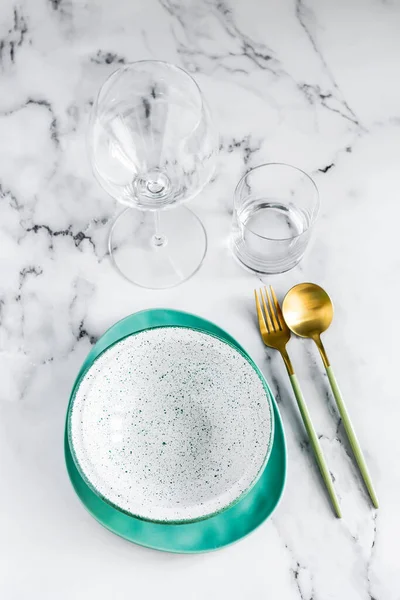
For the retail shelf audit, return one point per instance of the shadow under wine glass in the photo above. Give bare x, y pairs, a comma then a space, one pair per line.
153, 146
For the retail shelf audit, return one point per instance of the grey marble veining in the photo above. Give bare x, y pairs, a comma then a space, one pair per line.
314, 84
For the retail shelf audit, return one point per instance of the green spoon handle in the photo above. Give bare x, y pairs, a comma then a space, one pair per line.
315, 444
352, 436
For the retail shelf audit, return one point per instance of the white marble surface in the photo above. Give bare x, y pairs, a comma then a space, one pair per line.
313, 83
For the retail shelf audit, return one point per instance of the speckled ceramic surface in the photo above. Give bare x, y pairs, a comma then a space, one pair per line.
171, 424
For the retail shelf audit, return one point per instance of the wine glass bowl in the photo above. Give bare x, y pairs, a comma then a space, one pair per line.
151, 139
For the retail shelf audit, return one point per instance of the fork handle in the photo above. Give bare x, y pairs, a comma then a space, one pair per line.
355, 446
315, 444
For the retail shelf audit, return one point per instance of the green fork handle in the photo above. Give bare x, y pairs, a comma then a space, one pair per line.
355, 446
315, 444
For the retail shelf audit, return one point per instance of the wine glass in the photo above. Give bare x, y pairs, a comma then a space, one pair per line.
152, 146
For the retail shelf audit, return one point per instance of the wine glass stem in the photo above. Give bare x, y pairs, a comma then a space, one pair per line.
158, 238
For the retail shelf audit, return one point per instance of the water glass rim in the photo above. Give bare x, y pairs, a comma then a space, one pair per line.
315, 210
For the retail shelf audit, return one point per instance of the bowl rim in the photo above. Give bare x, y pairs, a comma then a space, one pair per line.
82, 373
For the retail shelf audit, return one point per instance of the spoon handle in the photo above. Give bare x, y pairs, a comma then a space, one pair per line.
352, 436
315, 443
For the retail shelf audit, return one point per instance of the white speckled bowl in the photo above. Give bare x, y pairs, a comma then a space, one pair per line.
171, 425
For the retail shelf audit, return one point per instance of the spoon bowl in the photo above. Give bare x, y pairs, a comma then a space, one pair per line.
308, 310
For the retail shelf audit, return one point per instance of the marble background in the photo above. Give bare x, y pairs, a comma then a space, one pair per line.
312, 83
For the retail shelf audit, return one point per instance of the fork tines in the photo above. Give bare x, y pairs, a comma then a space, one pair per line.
273, 320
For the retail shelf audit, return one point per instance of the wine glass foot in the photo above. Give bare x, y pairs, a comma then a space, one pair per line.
157, 259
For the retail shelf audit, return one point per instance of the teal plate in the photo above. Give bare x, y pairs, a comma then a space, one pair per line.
215, 532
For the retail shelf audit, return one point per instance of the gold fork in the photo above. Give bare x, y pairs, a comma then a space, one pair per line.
276, 334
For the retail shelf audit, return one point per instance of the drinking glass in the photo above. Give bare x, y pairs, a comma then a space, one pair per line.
275, 208
152, 146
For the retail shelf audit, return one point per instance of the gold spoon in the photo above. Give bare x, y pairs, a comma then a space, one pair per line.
308, 311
